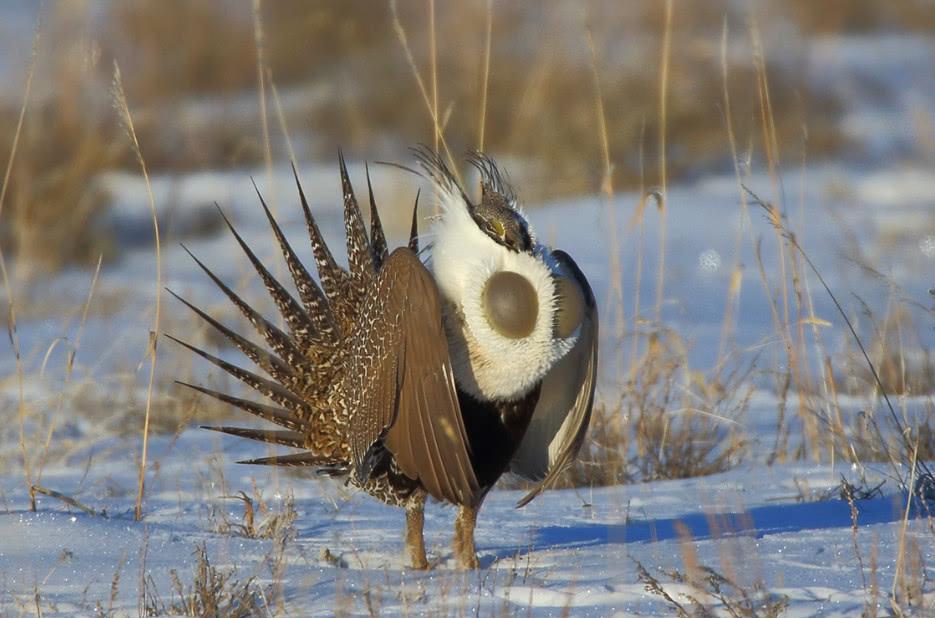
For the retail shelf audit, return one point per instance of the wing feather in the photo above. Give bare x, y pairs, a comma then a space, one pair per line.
399, 373
560, 421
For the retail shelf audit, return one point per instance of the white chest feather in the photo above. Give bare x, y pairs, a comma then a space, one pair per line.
487, 364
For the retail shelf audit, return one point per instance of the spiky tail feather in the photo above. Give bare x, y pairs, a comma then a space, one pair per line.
302, 362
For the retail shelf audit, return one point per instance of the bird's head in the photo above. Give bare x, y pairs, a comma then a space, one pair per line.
497, 215
503, 225
505, 312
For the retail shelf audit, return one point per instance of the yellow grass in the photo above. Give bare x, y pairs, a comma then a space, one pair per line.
11, 309
123, 107
664, 418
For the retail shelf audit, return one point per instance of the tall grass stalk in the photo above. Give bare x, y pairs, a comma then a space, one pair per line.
829, 397
258, 39
120, 100
11, 301
796, 369
665, 55
281, 116
432, 109
733, 295
485, 79
771, 150
899, 575
908, 449
607, 190
69, 368
637, 220
433, 71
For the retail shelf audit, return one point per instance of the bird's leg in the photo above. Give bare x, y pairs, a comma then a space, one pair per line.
464, 548
415, 543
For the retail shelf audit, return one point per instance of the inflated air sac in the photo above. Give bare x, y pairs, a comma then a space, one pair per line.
510, 304
570, 303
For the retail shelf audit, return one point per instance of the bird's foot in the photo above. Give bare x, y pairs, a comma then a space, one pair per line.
464, 548
419, 563
415, 543
469, 561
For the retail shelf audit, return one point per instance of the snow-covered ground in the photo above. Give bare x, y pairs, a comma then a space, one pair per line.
781, 532
767, 528
568, 550
571, 550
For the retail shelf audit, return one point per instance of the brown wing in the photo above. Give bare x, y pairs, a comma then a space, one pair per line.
401, 384
563, 413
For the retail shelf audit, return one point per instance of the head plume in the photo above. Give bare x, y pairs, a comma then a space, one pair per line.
497, 214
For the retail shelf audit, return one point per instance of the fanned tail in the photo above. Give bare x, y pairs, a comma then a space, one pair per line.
377, 238
334, 279
301, 361
359, 251
312, 297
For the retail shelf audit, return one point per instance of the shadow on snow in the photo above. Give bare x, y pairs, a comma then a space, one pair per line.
756, 522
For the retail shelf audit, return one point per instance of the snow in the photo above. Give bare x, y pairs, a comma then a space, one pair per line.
782, 527
574, 551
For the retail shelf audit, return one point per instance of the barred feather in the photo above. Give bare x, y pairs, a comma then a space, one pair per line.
377, 238
312, 297
268, 388
333, 278
279, 416
281, 343
272, 436
271, 364
303, 362
298, 321
324, 465
359, 254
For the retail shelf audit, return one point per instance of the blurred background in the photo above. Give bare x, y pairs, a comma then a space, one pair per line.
848, 80
825, 109
640, 136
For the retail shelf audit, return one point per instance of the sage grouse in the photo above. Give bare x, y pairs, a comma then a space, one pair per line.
413, 382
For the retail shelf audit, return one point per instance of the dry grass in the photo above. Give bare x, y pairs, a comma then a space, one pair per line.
55, 204
680, 104
860, 16
345, 84
577, 130
905, 365
685, 99
66, 139
212, 592
120, 102
703, 593
260, 519
667, 422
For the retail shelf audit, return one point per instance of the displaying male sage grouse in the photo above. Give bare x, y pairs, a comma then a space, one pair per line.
414, 382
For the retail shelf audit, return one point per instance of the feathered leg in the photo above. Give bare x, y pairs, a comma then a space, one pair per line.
415, 522
465, 551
